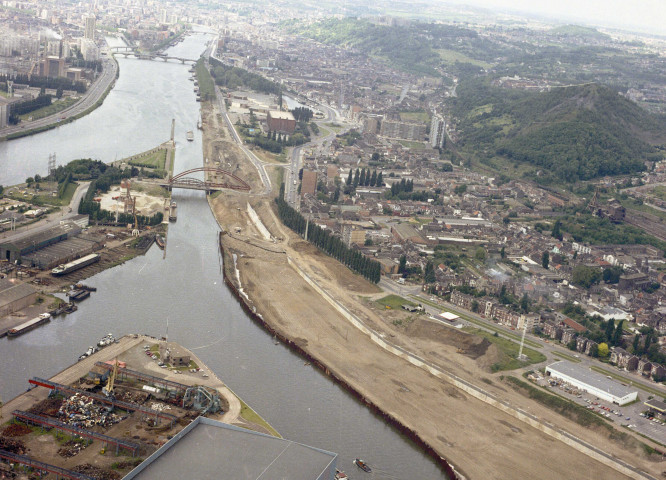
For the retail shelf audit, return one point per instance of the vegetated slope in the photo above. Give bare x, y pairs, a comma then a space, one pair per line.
573, 133
411, 47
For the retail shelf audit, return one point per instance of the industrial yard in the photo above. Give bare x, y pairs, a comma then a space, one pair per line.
102, 416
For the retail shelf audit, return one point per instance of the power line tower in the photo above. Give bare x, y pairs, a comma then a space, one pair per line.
52, 164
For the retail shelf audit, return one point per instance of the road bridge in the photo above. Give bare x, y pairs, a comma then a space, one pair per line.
218, 179
127, 51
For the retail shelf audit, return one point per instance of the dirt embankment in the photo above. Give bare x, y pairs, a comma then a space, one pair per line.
480, 440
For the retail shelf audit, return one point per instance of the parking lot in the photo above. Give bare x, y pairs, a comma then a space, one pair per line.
631, 416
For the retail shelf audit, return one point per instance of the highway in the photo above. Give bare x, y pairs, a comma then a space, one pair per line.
92, 95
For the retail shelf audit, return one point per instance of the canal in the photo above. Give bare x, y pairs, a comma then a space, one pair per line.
185, 290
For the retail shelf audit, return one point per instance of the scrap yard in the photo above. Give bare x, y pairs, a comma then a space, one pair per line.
102, 416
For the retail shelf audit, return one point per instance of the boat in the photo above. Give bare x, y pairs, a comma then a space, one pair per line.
89, 352
29, 325
160, 241
78, 295
173, 212
362, 465
190, 136
339, 475
107, 340
81, 286
66, 268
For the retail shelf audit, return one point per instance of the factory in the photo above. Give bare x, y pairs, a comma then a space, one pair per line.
594, 383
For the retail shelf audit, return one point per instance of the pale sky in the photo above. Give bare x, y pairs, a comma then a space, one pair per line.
637, 15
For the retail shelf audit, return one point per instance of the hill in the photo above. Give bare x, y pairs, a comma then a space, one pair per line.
570, 134
578, 31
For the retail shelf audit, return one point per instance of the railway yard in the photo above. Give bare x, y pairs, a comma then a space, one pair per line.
102, 416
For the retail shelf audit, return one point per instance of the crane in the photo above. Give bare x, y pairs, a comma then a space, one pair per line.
108, 390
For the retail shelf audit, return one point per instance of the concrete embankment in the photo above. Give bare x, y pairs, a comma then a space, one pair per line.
230, 279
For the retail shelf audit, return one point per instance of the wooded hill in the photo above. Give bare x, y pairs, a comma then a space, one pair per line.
573, 133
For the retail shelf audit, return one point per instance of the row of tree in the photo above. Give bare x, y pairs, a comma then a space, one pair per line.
302, 114
234, 77
364, 178
332, 245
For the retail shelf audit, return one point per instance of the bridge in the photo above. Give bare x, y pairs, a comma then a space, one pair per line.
128, 51
218, 179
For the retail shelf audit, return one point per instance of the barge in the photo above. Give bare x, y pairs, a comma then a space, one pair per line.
29, 325
78, 295
75, 265
172, 212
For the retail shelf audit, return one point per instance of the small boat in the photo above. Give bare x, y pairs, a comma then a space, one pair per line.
160, 241
81, 286
108, 340
78, 295
190, 136
362, 465
339, 475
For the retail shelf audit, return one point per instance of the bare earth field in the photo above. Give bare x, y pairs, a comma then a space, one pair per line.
478, 439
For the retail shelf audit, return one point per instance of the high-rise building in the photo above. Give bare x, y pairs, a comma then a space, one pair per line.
89, 32
52, 66
437, 131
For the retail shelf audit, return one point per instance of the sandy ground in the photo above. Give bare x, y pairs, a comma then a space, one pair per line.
479, 440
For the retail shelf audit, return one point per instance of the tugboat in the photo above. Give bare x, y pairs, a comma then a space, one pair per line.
340, 475
362, 465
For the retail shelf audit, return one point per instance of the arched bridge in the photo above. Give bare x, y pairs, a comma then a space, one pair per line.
218, 179
130, 52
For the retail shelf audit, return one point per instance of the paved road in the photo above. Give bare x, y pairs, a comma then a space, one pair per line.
93, 94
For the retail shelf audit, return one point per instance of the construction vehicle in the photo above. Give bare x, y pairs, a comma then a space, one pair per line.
108, 390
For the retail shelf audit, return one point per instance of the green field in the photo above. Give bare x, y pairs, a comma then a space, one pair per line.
155, 160
394, 301
420, 116
412, 145
451, 57
55, 107
510, 349
206, 83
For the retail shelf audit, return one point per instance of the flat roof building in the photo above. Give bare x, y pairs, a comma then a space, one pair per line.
210, 449
279, 121
591, 382
15, 296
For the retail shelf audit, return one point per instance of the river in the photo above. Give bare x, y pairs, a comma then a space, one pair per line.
186, 290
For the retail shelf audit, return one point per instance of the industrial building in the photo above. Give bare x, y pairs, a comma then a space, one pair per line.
48, 248
591, 382
15, 296
210, 449
283, 122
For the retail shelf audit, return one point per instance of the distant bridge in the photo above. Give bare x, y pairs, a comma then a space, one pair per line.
218, 180
128, 51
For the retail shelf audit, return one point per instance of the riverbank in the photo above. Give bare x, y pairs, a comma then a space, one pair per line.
96, 95
480, 438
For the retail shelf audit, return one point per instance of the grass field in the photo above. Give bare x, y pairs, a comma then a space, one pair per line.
152, 160
251, 416
416, 116
412, 145
510, 349
55, 107
451, 57
394, 301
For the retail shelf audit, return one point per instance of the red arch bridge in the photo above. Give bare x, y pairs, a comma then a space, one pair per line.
216, 179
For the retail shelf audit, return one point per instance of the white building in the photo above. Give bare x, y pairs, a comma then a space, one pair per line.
437, 131
89, 27
591, 382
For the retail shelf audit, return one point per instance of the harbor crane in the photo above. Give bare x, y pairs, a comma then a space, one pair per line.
108, 390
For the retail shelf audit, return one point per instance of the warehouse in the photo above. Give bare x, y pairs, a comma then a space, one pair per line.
210, 449
591, 382
15, 296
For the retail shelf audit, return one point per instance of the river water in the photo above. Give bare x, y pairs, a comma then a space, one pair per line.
186, 290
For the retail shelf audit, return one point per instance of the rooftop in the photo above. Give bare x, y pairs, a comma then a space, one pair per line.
207, 447
591, 378
280, 114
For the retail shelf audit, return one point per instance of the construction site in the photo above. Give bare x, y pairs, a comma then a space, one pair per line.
101, 417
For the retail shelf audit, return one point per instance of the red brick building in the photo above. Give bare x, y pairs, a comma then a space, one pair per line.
283, 122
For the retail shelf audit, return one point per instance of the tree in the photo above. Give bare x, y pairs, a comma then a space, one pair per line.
636, 345
503, 253
357, 177
585, 276
612, 274
460, 189
556, 230
572, 345
480, 254
361, 180
380, 182
374, 157
29, 181
545, 260
402, 266
525, 303
603, 350
475, 306
350, 177
610, 329
594, 351
429, 275
59, 93
617, 335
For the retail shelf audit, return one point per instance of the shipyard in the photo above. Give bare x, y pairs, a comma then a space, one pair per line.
105, 414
